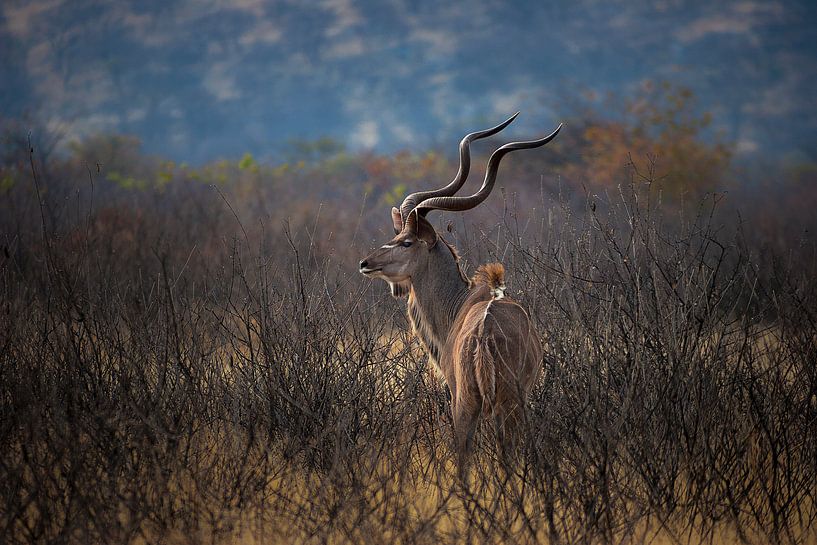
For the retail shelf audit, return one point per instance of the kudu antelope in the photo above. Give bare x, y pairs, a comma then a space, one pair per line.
482, 343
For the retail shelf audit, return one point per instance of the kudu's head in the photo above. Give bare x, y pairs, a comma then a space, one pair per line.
415, 237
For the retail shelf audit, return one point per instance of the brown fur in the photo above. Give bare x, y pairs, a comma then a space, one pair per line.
456, 254
491, 361
485, 371
493, 276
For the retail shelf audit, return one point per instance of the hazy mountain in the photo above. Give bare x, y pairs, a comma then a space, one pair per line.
197, 79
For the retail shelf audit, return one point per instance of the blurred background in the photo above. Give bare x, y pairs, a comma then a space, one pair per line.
284, 107
197, 80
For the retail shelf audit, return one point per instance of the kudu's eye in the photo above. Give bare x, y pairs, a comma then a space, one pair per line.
405, 243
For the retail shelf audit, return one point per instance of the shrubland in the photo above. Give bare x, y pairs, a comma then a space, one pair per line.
188, 354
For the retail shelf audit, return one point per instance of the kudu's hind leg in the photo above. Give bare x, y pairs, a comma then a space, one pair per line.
508, 429
466, 417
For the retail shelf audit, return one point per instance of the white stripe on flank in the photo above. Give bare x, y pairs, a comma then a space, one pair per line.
487, 308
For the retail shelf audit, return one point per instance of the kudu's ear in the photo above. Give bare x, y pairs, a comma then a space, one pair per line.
397, 220
421, 228
426, 232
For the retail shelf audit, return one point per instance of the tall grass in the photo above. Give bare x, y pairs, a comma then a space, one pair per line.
262, 391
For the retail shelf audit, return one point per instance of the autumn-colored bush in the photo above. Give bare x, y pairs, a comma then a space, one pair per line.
660, 132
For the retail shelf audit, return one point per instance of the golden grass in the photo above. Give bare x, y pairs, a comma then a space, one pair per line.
404, 505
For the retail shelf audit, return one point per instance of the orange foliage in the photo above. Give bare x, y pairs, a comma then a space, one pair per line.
661, 136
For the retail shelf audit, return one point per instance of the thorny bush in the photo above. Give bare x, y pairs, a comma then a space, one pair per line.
260, 390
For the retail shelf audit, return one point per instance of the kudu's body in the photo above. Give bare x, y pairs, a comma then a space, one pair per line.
482, 343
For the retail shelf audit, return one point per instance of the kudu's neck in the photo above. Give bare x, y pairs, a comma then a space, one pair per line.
437, 293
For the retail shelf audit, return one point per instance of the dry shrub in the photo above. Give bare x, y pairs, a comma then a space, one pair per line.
160, 383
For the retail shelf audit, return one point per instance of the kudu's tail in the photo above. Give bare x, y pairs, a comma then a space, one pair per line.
493, 276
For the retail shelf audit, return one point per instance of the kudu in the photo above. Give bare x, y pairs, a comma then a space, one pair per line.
482, 343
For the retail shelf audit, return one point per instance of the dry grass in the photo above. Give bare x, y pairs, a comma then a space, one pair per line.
266, 394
